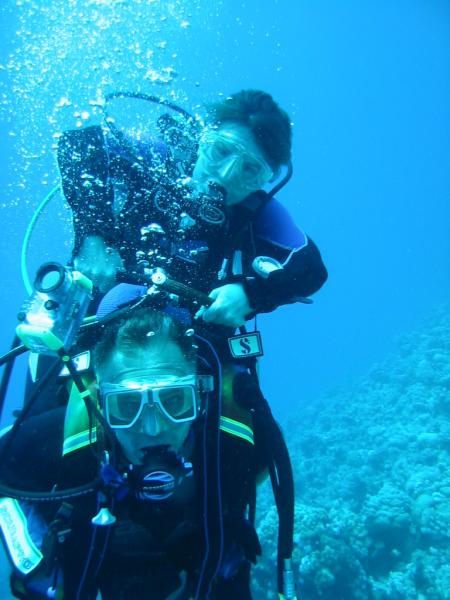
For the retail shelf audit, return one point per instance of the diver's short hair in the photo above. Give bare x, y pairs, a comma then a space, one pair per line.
142, 330
269, 124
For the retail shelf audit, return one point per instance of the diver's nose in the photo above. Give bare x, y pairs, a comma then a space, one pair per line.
150, 422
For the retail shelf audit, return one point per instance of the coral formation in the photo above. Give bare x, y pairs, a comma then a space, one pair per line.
371, 464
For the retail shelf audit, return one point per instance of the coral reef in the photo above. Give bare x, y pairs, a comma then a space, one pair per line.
371, 464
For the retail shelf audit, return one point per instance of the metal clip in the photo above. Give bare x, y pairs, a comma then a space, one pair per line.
288, 580
103, 518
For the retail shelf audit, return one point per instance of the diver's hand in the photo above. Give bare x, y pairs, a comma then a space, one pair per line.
99, 262
230, 306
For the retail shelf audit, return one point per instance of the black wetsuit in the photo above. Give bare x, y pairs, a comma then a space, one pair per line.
143, 554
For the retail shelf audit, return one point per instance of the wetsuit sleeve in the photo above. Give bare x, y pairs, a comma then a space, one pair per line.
303, 272
83, 164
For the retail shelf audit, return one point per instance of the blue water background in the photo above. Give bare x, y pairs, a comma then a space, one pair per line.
367, 84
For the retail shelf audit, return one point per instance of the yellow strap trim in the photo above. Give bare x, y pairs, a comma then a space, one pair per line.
77, 418
79, 440
236, 428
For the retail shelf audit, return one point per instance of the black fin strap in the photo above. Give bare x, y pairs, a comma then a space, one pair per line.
280, 470
283, 487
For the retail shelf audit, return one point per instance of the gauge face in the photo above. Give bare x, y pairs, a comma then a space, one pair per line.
265, 265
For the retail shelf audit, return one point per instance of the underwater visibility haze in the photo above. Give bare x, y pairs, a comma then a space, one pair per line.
359, 379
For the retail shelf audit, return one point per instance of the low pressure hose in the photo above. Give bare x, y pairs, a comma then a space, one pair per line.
27, 236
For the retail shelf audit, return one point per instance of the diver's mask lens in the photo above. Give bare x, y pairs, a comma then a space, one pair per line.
224, 154
123, 404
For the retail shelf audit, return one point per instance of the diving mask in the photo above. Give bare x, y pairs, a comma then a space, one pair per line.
224, 156
177, 398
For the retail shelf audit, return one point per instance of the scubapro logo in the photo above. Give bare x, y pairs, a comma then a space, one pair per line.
245, 345
248, 344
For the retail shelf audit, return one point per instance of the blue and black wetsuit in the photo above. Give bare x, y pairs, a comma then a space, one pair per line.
114, 197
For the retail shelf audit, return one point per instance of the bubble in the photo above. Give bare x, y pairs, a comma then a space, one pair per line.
68, 55
63, 102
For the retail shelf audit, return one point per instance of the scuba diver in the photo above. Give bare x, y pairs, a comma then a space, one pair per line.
169, 517
143, 484
192, 199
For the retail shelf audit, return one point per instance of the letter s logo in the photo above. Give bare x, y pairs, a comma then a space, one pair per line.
245, 345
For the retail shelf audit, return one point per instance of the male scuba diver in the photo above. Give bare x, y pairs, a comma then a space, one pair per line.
140, 479
172, 465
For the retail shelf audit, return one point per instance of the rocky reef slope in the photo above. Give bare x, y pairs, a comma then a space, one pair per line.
371, 464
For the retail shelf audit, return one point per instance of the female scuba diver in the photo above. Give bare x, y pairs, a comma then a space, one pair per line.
196, 201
